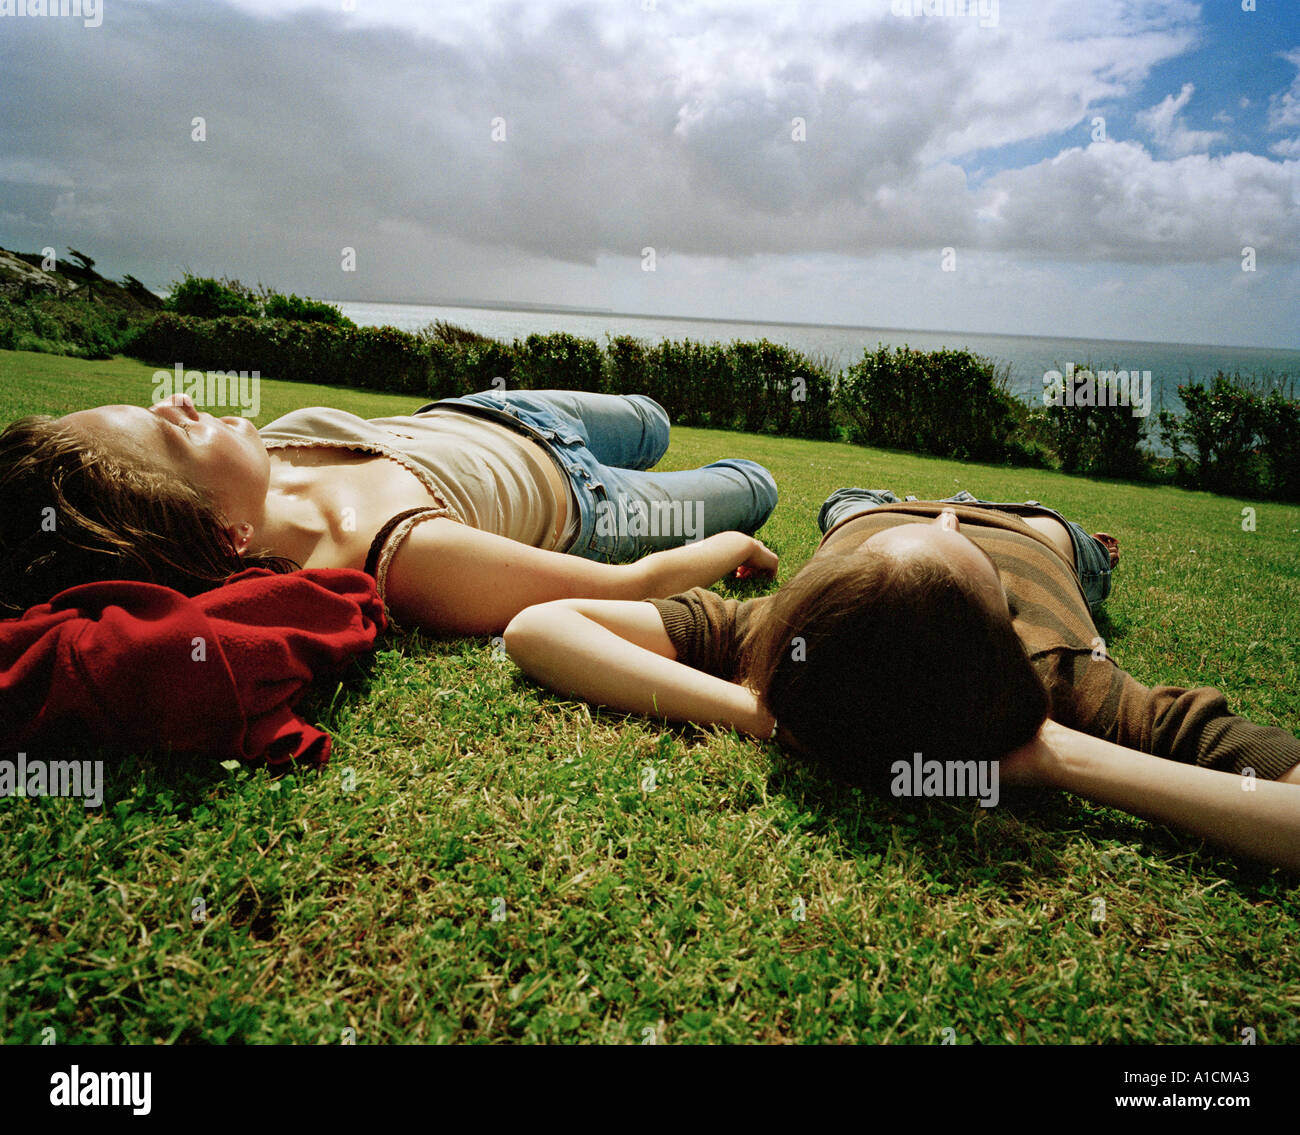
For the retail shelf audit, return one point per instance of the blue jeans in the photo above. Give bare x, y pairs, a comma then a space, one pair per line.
1091, 560
604, 443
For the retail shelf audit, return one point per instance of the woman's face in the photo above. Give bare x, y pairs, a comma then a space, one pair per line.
943, 537
223, 457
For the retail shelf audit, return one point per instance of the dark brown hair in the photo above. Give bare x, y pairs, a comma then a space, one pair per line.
76, 511
867, 658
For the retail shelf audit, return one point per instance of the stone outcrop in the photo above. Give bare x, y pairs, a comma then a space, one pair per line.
20, 280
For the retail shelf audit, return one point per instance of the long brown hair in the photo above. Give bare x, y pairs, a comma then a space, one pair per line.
867, 658
75, 511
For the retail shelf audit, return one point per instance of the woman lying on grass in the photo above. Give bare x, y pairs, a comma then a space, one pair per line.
958, 630
460, 511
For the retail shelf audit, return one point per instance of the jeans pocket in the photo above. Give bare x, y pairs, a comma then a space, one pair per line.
1095, 585
603, 540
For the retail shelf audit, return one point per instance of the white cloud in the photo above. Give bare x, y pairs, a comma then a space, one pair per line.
1114, 201
1284, 108
624, 128
33, 170
1284, 112
1287, 148
1166, 130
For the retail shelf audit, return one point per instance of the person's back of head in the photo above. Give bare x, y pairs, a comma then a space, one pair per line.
867, 658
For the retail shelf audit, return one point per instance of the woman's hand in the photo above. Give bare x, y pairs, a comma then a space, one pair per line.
702, 563
761, 564
451, 578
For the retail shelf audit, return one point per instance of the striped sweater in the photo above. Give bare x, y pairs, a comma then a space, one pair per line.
1050, 615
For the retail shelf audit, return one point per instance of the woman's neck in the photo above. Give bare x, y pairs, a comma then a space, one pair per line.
294, 522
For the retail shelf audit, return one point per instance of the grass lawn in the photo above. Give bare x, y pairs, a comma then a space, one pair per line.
483, 861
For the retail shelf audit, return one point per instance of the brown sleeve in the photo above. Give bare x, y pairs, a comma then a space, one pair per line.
705, 629
1188, 725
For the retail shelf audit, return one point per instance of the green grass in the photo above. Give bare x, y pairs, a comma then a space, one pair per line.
363, 898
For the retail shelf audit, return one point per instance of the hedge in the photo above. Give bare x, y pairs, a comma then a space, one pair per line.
949, 403
759, 387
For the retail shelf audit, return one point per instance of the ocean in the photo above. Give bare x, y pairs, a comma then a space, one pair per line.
1027, 357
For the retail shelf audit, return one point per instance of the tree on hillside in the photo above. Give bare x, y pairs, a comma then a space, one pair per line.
85, 268
84, 263
141, 294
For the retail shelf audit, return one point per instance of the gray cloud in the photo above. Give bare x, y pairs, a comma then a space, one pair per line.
1114, 201
623, 128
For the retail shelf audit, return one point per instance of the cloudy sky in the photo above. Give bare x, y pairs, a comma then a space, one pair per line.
1092, 168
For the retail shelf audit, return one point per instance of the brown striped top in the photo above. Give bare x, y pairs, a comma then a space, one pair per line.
1050, 615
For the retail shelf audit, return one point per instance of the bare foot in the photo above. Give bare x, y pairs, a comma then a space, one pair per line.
1110, 544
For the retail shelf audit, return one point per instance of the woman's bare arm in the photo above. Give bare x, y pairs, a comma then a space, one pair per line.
1260, 818
618, 654
451, 578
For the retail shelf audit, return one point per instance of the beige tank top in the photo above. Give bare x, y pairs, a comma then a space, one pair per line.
485, 474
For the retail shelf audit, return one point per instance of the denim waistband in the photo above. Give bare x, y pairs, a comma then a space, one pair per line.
500, 416
574, 524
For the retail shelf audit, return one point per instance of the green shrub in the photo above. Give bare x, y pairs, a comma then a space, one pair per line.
741, 403
65, 326
627, 366
379, 358
558, 362
761, 387
299, 310
1280, 434
685, 378
206, 298
1094, 433
463, 368
950, 403
27, 341
383, 358
441, 331
1214, 443
773, 389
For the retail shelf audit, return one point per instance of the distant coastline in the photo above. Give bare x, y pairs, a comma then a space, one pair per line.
568, 309
1027, 357
484, 305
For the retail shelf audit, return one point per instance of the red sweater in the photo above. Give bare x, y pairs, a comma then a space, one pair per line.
136, 666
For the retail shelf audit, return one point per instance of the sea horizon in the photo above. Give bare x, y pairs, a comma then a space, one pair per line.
1027, 358
574, 309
